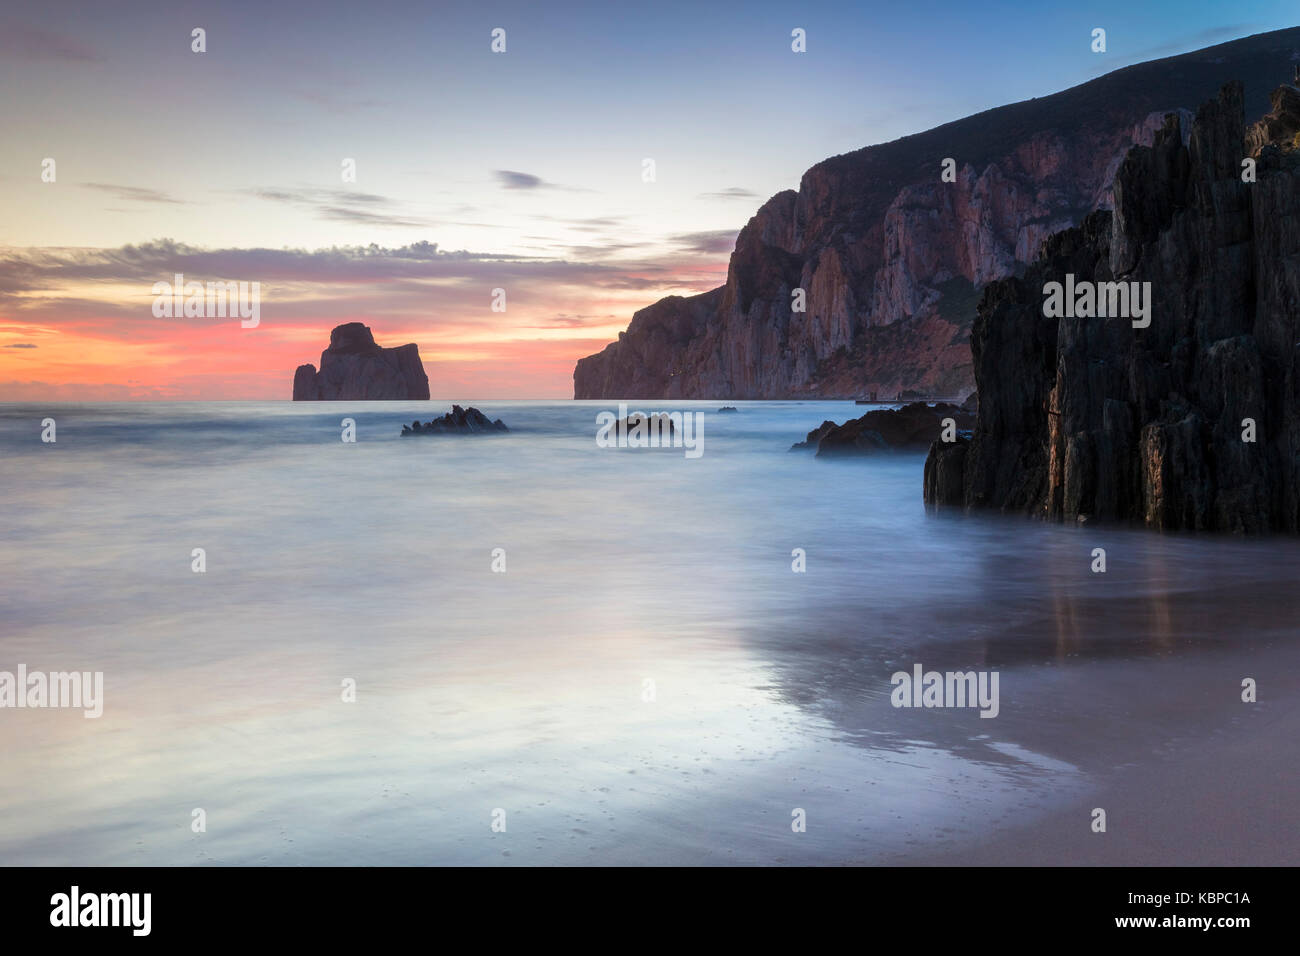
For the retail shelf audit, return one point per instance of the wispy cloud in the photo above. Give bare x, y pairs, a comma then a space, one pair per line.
513, 179
592, 224
1194, 41
721, 240
400, 269
574, 322
337, 205
134, 193
367, 218
316, 195
603, 251
333, 103
509, 179
732, 192
21, 345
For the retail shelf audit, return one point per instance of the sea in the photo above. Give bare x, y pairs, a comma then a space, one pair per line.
527, 648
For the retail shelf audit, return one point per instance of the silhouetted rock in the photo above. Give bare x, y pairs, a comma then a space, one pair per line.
354, 368
458, 421
728, 408
659, 421
911, 428
1089, 417
815, 436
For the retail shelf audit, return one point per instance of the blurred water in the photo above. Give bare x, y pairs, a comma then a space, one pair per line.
524, 691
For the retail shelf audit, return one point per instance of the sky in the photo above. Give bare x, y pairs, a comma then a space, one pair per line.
475, 170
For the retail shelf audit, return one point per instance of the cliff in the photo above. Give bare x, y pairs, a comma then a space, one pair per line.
355, 368
1190, 422
890, 257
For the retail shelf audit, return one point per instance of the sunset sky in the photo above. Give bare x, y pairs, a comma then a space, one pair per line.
474, 170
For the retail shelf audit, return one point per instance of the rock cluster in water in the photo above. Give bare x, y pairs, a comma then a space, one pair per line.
458, 421
910, 428
1190, 422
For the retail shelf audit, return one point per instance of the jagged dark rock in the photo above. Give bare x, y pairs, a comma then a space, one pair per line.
1280, 125
1083, 418
354, 368
728, 408
910, 428
891, 258
815, 436
654, 421
458, 421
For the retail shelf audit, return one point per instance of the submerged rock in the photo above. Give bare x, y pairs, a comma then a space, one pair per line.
458, 421
910, 428
648, 424
815, 436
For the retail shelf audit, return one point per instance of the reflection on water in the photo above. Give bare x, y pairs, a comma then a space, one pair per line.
648, 682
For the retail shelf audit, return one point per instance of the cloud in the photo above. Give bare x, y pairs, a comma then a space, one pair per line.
574, 322
21, 345
29, 43
135, 193
732, 192
365, 218
1195, 41
332, 103
592, 224
312, 196
510, 179
709, 243
599, 222
513, 179
367, 209
401, 270
603, 251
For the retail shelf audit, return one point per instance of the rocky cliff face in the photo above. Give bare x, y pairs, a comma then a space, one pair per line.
355, 368
1192, 422
889, 256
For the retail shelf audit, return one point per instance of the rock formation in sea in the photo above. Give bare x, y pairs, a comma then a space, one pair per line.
890, 256
1190, 422
912, 428
355, 368
458, 421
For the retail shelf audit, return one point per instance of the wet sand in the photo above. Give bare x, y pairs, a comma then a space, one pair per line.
1204, 780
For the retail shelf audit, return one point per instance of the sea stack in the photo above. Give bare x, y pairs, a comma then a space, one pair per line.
354, 368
